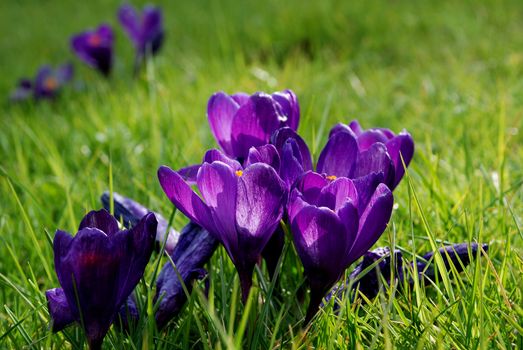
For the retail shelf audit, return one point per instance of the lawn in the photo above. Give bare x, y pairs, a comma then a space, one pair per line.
449, 72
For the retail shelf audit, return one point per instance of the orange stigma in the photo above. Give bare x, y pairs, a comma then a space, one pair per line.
94, 40
239, 173
331, 177
51, 83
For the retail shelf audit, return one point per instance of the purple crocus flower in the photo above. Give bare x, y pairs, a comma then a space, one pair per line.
95, 48
145, 30
243, 206
97, 270
47, 83
347, 153
377, 147
239, 121
334, 221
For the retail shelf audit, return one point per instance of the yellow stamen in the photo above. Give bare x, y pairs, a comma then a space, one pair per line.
50, 83
94, 40
331, 177
239, 173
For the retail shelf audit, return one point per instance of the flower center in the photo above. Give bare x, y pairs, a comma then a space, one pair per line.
50, 83
239, 173
331, 177
94, 40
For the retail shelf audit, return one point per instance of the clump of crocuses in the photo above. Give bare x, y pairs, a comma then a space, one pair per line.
95, 48
242, 208
144, 29
98, 269
46, 85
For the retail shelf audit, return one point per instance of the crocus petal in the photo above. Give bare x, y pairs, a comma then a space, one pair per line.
340, 127
218, 185
373, 222
339, 156
356, 127
101, 220
184, 198
59, 311
214, 155
369, 137
337, 193
321, 243
289, 106
259, 208
348, 214
375, 159
254, 123
295, 204
293, 164
281, 136
134, 247
310, 185
86, 273
195, 248
130, 21
152, 29
189, 173
264, 154
366, 185
401, 144
240, 97
221, 109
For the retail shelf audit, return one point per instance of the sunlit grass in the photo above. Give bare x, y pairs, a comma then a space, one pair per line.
449, 73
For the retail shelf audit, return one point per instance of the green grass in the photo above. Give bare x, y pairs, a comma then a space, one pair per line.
451, 73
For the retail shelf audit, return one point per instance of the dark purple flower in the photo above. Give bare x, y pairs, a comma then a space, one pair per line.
97, 270
47, 83
130, 212
239, 121
145, 30
242, 206
195, 248
459, 255
95, 47
334, 221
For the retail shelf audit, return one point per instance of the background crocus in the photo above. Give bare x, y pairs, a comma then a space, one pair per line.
239, 121
95, 47
145, 30
47, 83
242, 207
97, 270
334, 221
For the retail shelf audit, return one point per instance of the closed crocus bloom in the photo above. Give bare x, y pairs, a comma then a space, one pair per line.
97, 270
370, 141
334, 221
239, 121
242, 208
95, 48
144, 29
